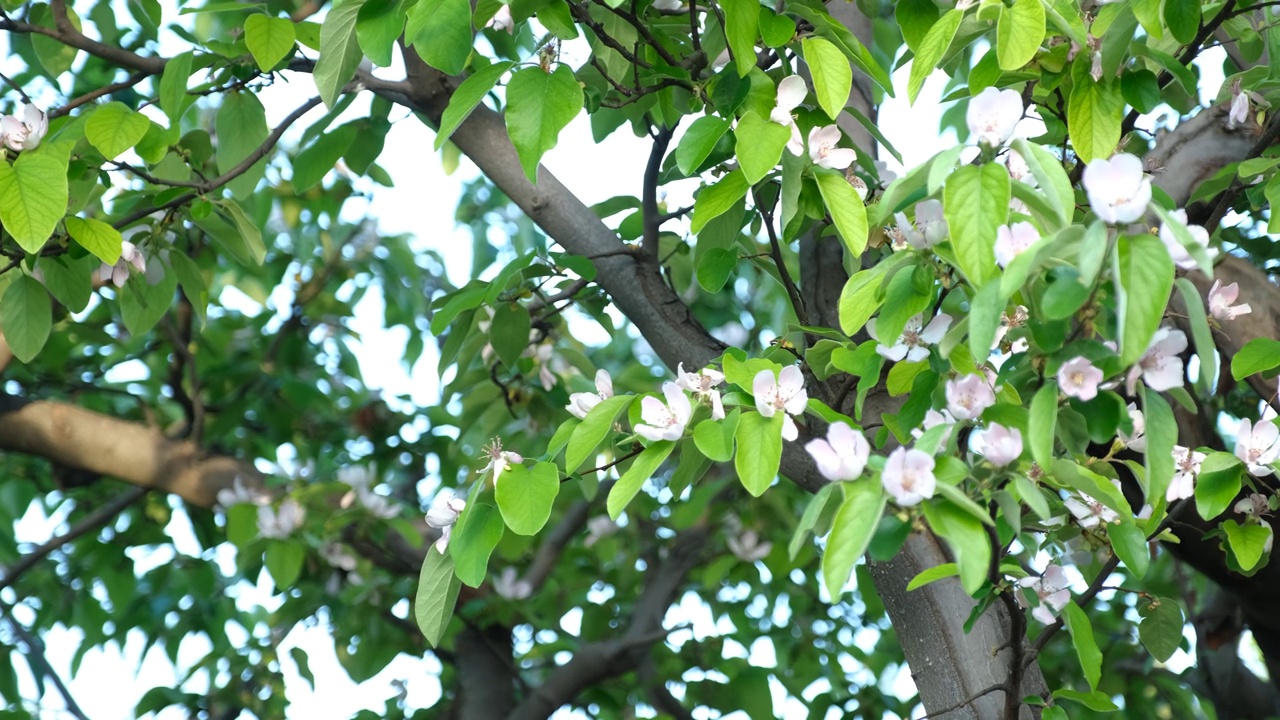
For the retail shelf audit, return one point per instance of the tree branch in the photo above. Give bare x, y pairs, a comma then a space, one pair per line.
649, 201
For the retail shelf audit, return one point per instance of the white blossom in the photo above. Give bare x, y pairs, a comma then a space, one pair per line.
992, 116
1001, 445
1052, 589
825, 151
968, 396
908, 476
1181, 257
599, 528
581, 403
932, 419
1239, 113
842, 455
338, 556
1079, 378
748, 547
502, 20
445, 509
1119, 191
510, 586
1089, 512
783, 393
665, 422
1222, 299
499, 460
1160, 367
1138, 440
668, 5
1258, 446
913, 344
703, 384
238, 494
280, 524
1013, 240
26, 132
130, 257
791, 92
1186, 468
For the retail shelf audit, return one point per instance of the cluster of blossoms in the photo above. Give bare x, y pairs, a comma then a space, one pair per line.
824, 149
273, 523
25, 132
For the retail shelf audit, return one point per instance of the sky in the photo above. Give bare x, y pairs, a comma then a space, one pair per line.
422, 203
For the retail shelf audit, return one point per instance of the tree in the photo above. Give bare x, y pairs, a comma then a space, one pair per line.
1002, 378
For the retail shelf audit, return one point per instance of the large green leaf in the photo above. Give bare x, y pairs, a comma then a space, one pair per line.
438, 588
976, 203
339, 50
269, 39
314, 162
284, 562
1144, 279
509, 332
1086, 647
241, 126
1218, 484
642, 468
742, 28
114, 128
760, 145
1247, 542
846, 208
932, 48
1257, 355
1161, 627
1130, 545
698, 142
832, 76
758, 463
1019, 33
440, 30
465, 99
593, 429
143, 304
378, 25
851, 532
525, 496
173, 87
967, 538
54, 56
1041, 424
25, 317
539, 105
1094, 113
33, 197
1183, 19
97, 237
1053, 180
1162, 434
474, 537
715, 200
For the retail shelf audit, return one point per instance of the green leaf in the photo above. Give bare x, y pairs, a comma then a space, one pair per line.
241, 126
269, 39
1247, 542
113, 128
247, 231
1144, 279
904, 299
54, 56
33, 198
192, 282
593, 429
314, 162
1019, 33
378, 25
1162, 434
1041, 424
859, 299
832, 75
1032, 496
26, 317
985, 311
976, 203
467, 97
97, 237
835, 31
173, 87
846, 208
932, 48
284, 562
509, 332
339, 50
915, 17
1218, 484
642, 468
143, 304
715, 200
440, 30
967, 539
525, 496
776, 30
742, 28
1130, 545
474, 537
70, 280
1183, 19
1053, 180
1086, 647
539, 106
1097, 700
933, 574
1257, 355
760, 145
698, 142
1161, 627
438, 588
851, 532
758, 466
1094, 113
715, 438
714, 268
809, 521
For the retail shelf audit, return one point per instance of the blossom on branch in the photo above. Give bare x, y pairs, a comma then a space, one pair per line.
992, 116
1222, 302
1186, 468
130, 257
1258, 446
1160, 367
1001, 445
445, 509
1078, 378
1052, 588
1181, 256
665, 422
791, 92
908, 476
1013, 240
581, 403
825, 151
1119, 191
703, 384
499, 460
968, 396
842, 455
784, 393
913, 344
280, 524
26, 132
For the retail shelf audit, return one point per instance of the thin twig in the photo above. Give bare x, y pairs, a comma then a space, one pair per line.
649, 202
797, 302
23, 93
39, 663
92, 95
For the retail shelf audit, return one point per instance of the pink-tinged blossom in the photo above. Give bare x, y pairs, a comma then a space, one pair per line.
703, 384
26, 132
1001, 445
361, 479
130, 257
338, 556
1078, 378
509, 586
992, 116
280, 524
1013, 240
1052, 589
1177, 251
747, 546
825, 150
238, 493
1017, 166
1239, 113
1258, 446
1222, 302
968, 396
929, 229
502, 20
1089, 512
1119, 191
784, 393
932, 419
499, 460
665, 421
913, 344
1138, 440
908, 476
842, 455
791, 92
581, 403
445, 509
1186, 468
1160, 367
